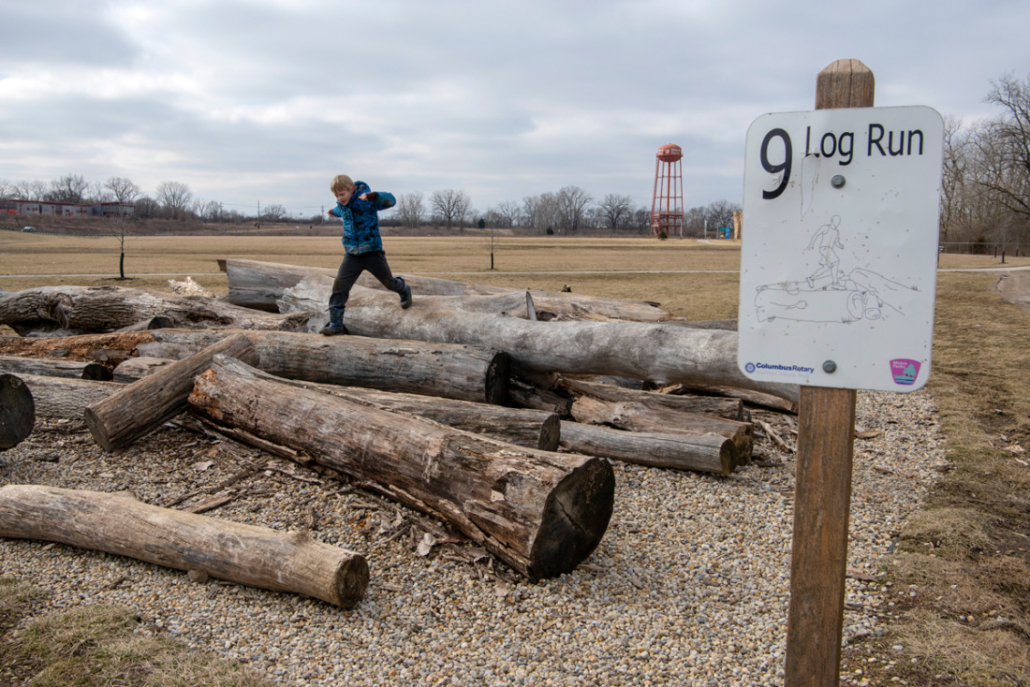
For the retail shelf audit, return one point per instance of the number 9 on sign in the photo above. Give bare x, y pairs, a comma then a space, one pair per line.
779, 167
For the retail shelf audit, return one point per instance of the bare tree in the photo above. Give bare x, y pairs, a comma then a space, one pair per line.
540, 212
572, 202
1007, 148
124, 190
175, 196
71, 188
615, 210
509, 212
450, 206
411, 210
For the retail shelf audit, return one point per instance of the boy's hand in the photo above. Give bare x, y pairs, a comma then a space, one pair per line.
371, 195
330, 213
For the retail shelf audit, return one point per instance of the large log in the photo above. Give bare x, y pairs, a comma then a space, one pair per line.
17, 411
522, 427
85, 309
260, 285
542, 513
661, 353
246, 554
701, 453
67, 398
13, 364
144, 405
312, 293
457, 371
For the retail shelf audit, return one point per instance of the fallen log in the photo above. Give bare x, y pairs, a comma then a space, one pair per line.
530, 428
772, 401
661, 353
731, 409
144, 405
245, 554
67, 398
55, 368
84, 309
457, 371
701, 453
312, 293
637, 417
17, 411
541, 513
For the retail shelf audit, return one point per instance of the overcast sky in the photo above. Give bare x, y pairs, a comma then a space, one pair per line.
264, 101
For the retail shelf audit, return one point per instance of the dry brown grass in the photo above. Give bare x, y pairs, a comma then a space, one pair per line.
967, 552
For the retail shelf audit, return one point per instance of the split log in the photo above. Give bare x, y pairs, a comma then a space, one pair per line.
312, 293
541, 513
756, 397
110, 349
245, 554
732, 409
661, 353
55, 368
702, 453
530, 428
84, 309
144, 405
260, 285
17, 411
66, 398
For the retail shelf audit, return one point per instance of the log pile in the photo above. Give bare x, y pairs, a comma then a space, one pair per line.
480, 406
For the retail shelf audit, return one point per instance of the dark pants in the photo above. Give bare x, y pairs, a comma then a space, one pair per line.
352, 267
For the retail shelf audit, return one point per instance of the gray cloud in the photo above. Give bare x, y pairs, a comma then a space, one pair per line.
266, 100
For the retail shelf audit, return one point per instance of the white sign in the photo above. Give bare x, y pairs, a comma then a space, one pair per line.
839, 247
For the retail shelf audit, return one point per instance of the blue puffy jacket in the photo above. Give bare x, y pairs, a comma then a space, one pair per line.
361, 219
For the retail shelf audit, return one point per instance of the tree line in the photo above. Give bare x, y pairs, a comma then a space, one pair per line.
564, 212
985, 200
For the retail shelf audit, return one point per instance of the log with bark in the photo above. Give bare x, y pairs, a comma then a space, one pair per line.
12, 364
144, 405
523, 427
17, 411
119, 524
67, 398
456, 371
700, 453
138, 368
260, 285
660, 352
541, 513
85, 309
731, 409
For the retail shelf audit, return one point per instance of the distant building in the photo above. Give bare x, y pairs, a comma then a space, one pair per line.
35, 208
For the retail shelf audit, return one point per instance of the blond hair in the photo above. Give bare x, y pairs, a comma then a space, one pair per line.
341, 182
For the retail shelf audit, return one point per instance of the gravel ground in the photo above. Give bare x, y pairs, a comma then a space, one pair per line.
689, 585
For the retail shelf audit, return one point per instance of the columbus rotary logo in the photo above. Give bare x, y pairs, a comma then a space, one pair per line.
749, 368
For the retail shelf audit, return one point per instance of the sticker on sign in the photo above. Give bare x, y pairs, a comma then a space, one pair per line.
839, 247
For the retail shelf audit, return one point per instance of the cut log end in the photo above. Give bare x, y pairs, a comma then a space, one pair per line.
350, 581
550, 433
17, 411
575, 518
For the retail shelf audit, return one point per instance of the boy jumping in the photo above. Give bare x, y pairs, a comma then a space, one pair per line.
358, 208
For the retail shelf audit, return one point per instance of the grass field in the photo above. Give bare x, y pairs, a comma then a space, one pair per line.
969, 550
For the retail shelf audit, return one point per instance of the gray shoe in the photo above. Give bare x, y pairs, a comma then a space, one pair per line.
405, 294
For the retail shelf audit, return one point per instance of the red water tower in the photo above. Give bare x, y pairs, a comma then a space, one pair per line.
667, 206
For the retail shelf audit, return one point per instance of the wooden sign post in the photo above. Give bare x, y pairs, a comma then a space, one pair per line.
826, 422
837, 284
